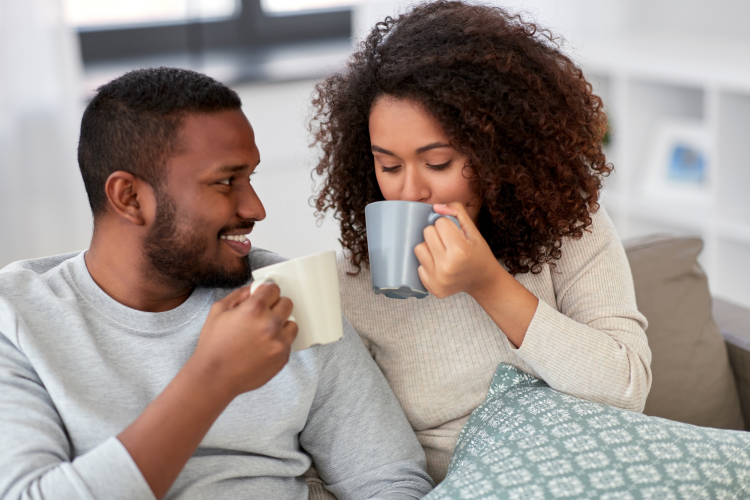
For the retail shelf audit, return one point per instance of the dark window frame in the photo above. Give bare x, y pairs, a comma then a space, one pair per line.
252, 27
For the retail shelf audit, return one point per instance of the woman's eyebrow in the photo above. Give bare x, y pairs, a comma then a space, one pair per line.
434, 145
378, 149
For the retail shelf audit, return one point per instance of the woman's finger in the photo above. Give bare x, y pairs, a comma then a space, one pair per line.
434, 242
424, 256
457, 210
424, 277
450, 235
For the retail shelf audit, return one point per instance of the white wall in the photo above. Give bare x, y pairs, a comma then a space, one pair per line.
726, 19
589, 21
43, 208
575, 20
278, 114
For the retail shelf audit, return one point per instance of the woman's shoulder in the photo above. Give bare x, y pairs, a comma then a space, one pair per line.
351, 279
343, 262
599, 251
598, 245
601, 221
600, 236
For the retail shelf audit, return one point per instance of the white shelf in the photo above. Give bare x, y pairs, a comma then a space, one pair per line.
734, 231
647, 81
673, 60
684, 217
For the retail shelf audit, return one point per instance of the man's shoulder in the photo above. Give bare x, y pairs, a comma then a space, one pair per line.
40, 266
260, 257
26, 284
23, 275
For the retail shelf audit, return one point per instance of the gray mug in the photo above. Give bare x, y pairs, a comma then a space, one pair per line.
394, 229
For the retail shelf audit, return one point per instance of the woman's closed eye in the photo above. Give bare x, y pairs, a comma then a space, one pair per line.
442, 166
383, 168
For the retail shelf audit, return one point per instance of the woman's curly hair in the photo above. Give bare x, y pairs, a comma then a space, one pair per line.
520, 110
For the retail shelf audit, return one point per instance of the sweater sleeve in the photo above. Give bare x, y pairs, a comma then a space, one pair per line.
593, 343
36, 457
359, 438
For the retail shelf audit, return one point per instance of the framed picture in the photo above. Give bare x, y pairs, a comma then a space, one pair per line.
679, 162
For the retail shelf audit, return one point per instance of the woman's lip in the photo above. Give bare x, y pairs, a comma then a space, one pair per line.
242, 248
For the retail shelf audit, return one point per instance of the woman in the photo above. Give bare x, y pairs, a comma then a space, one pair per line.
478, 113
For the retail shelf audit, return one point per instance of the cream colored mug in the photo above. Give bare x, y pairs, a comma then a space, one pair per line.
312, 284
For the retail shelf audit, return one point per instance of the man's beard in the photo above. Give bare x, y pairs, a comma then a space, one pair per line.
178, 259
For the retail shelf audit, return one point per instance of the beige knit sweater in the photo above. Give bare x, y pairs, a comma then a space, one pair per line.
586, 339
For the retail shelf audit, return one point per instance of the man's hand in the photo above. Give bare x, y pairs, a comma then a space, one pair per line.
245, 342
246, 339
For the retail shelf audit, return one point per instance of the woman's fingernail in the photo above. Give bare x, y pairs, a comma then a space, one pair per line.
441, 205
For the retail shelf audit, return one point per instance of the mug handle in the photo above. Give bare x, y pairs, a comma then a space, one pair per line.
268, 279
435, 216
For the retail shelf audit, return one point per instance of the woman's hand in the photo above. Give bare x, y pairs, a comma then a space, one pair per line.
460, 260
455, 260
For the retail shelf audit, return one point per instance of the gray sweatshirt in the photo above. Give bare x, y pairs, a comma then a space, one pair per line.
77, 367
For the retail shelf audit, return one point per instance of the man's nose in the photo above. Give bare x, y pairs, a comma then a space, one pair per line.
250, 206
414, 187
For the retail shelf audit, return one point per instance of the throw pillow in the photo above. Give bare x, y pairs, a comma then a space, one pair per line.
528, 442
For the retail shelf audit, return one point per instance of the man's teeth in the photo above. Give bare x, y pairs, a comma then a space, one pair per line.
242, 238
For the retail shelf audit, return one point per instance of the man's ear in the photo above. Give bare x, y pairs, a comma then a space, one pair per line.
129, 197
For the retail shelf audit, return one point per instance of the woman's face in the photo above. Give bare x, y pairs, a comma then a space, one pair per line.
413, 160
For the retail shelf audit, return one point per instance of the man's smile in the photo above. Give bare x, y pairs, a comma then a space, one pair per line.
240, 243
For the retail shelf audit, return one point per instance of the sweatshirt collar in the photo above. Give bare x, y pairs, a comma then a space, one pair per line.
147, 322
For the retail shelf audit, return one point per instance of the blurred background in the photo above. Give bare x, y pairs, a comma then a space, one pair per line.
674, 76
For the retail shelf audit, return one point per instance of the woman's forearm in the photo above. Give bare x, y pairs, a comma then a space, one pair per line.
507, 302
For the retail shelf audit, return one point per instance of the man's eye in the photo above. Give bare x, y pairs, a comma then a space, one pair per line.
226, 182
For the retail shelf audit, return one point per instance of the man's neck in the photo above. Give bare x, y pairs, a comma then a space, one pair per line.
117, 265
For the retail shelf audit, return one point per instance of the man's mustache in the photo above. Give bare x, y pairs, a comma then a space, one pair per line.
247, 224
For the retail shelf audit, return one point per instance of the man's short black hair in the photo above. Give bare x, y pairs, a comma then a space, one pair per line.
132, 123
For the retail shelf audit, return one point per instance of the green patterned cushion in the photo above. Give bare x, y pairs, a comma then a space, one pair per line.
528, 441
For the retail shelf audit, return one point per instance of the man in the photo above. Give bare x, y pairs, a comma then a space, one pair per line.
128, 370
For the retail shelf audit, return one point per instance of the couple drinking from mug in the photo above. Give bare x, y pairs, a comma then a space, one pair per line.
119, 360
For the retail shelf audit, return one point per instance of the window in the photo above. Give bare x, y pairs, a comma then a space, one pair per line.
134, 32
92, 14
296, 6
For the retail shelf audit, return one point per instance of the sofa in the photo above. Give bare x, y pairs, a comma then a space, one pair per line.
530, 441
700, 345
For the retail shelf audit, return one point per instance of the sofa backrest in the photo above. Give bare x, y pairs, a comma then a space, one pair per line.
692, 378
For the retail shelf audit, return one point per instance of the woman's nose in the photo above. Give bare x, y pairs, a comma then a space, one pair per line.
414, 187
